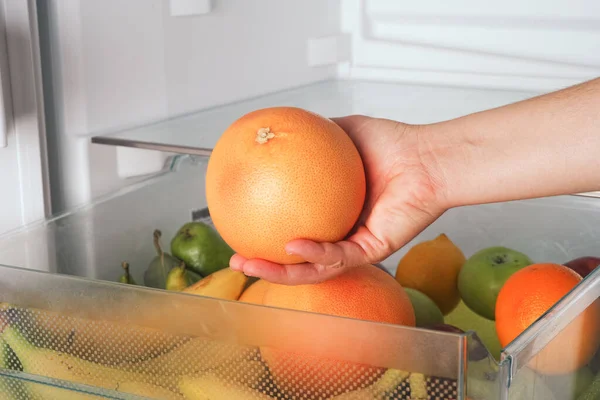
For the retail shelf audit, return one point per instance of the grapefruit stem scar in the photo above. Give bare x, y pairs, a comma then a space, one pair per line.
264, 134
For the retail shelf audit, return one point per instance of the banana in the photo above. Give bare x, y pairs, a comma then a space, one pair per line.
149, 390
211, 386
418, 386
93, 338
57, 365
224, 284
10, 388
385, 385
193, 357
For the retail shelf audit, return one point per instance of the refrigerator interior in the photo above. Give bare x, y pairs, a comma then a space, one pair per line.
68, 78
182, 57
128, 98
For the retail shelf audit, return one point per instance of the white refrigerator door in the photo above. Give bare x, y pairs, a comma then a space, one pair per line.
25, 194
24, 179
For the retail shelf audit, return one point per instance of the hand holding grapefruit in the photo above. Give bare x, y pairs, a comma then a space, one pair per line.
283, 173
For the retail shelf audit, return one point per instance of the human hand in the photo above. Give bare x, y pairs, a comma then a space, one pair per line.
404, 195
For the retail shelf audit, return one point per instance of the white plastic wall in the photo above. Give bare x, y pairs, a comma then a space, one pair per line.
24, 196
535, 45
117, 63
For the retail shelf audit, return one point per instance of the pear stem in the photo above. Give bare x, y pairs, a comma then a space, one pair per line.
125, 266
157, 235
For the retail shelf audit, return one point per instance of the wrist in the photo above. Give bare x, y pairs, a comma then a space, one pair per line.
443, 152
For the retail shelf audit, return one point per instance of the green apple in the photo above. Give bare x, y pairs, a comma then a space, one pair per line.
483, 275
466, 319
201, 248
427, 313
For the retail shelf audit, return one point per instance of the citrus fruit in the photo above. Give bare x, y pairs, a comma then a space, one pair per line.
432, 267
283, 173
531, 292
365, 293
255, 292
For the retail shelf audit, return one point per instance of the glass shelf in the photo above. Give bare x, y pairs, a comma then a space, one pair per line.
197, 133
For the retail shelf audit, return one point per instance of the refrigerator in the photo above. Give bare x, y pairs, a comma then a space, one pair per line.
109, 111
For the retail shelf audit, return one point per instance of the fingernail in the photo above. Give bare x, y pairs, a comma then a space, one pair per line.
289, 252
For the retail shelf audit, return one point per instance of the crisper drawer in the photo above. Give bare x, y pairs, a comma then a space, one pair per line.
70, 330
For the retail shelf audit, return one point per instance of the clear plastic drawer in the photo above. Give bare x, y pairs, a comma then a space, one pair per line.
70, 330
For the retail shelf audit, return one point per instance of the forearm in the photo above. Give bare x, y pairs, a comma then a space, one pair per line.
547, 145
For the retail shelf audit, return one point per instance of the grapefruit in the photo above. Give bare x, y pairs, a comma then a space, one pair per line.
255, 292
365, 293
527, 295
283, 173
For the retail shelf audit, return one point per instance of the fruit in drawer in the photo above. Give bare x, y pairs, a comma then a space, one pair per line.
8, 358
106, 342
160, 266
483, 274
201, 248
366, 293
126, 276
531, 292
426, 311
193, 357
381, 389
179, 278
224, 284
583, 265
198, 356
255, 292
466, 319
149, 390
53, 364
283, 173
214, 387
10, 389
476, 349
432, 267
418, 386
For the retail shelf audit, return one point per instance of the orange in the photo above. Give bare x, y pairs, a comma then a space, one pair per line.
283, 173
531, 292
432, 267
365, 293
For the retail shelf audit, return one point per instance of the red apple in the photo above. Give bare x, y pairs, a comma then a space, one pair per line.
583, 265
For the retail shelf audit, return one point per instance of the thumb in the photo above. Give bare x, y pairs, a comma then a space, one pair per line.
340, 255
351, 123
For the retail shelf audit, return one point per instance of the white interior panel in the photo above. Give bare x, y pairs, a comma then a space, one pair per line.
536, 44
116, 64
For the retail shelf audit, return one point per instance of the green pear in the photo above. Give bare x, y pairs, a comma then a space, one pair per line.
179, 278
126, 276
157, 273
201, 248
427, 313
